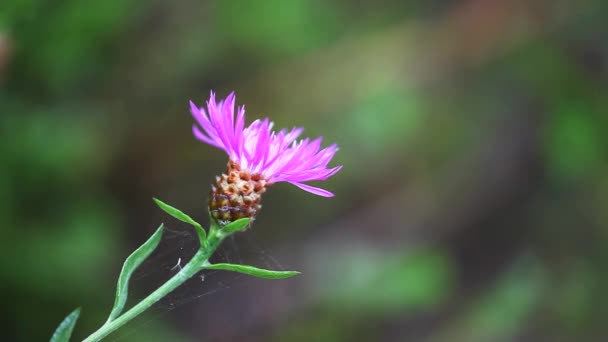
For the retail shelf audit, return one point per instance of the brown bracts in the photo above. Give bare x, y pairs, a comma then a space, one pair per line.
236, 194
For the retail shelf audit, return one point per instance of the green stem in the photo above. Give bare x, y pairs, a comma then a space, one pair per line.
197, 263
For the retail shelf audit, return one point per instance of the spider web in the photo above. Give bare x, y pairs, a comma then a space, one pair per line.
176, 248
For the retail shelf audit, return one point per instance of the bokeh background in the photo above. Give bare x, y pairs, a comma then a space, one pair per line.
472, 205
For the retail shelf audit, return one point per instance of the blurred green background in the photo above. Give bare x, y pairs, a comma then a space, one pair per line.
472, 204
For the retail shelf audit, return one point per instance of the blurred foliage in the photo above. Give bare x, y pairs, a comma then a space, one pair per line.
460, 123
47, 216
58, 45
505, 308
241, 25
387, 283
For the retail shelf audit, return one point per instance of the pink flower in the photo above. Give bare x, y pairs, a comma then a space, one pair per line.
257, 149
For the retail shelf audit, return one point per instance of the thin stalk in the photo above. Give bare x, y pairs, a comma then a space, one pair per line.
197, 263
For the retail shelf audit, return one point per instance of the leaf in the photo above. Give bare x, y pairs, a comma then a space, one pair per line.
65, 328
130, 265
178, 214
237, 225
254, 271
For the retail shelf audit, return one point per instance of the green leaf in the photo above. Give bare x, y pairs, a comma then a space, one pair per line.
237, 225
178, 214
64, 330
130, 265
254, 271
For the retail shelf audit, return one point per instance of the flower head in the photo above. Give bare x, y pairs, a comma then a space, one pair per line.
258, 154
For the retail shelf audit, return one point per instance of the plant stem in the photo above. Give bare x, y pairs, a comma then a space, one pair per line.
197, 263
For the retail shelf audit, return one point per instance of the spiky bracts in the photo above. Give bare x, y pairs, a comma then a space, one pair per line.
236, 194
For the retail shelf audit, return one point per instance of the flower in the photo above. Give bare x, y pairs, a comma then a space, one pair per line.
259, 156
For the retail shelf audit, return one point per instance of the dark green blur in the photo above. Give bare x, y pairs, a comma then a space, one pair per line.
473, 203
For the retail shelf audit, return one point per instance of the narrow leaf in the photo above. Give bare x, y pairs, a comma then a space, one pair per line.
254, 271
236, 225
180, 215
65, 328
130, 265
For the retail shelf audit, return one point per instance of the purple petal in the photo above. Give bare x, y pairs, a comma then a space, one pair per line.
314, 190
202, 137
259, 149
238, 129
